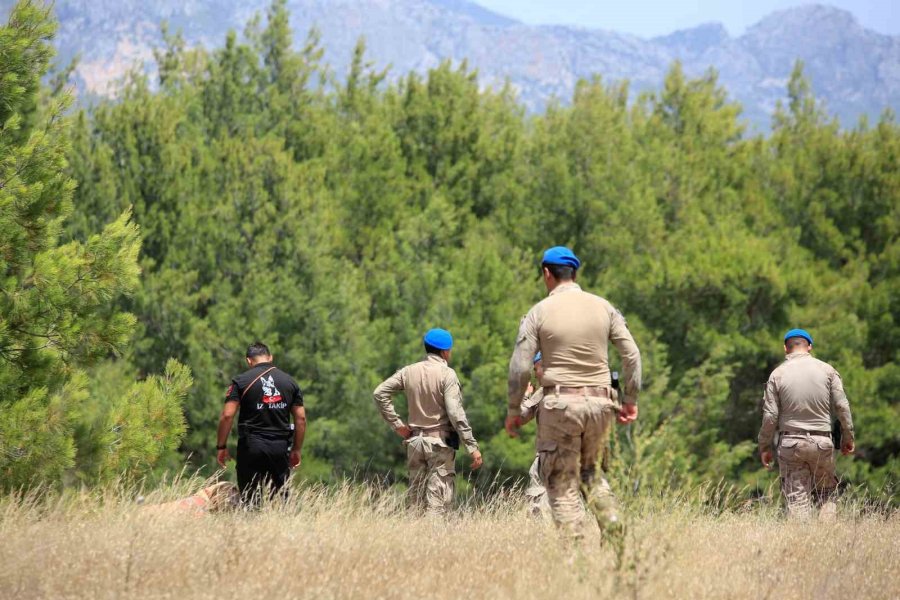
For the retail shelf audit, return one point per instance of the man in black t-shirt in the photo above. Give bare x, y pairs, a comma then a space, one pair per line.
267, 398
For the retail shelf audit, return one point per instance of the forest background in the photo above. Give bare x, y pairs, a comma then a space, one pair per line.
248, 194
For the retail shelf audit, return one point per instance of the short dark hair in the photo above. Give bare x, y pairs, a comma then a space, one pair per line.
561, 272
257, 348
429, 349
796, 342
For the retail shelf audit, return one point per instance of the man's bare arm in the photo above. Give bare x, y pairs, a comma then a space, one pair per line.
226, 420
299, 413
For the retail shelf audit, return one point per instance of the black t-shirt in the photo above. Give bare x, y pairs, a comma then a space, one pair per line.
266, 406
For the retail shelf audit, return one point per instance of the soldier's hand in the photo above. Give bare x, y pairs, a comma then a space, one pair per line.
628, 414
295, 459
222, 457
513, 423
404, 431
529, 390
476, 460
766, 457
848, 447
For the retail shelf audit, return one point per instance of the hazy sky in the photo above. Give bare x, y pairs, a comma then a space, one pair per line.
648, 18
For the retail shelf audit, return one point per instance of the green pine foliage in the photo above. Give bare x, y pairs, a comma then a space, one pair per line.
59, 310
338, 221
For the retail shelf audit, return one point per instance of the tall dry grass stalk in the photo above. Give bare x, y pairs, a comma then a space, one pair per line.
358, 542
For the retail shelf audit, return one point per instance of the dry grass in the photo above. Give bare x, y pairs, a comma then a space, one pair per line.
357, 542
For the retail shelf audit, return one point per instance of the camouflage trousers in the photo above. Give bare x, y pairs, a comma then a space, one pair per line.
431, 474
806, 466
573, 434
536, 493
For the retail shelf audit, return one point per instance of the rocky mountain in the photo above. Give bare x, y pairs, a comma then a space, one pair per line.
855, 70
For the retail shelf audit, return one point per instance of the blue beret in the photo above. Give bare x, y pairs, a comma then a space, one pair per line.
560, 255
798, 333
439, 338
537, 357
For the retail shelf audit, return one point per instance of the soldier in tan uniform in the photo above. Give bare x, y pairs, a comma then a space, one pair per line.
536, 493
572, 329
437, 422
802, 396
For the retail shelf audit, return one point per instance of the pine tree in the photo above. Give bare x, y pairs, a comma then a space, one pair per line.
338, 220
57, 300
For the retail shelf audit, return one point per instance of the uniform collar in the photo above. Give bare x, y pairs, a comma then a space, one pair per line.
434, 358
794, 355
565, 287
262, 364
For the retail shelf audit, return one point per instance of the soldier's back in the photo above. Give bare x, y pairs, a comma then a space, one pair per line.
425, 392
574, 338
804, 390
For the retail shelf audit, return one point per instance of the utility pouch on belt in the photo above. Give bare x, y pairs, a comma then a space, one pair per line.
452, 439
614, 392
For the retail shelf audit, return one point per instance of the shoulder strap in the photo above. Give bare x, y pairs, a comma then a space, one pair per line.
258, 377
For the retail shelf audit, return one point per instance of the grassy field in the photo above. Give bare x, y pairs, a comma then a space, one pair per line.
357, 542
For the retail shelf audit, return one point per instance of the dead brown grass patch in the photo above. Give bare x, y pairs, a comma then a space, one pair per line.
357, 542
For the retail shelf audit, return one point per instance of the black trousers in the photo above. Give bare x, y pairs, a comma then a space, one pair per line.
262, 464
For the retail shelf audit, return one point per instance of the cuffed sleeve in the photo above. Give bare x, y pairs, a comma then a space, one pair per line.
521, 363
770, 411
453, 402
621, 338
383, 396
530, 405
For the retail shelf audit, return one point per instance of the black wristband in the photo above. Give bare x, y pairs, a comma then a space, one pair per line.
222, 447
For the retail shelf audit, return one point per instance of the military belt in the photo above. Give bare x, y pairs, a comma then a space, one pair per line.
437, 433
589, 390
803, 432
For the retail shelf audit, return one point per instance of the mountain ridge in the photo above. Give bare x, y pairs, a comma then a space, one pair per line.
855, 71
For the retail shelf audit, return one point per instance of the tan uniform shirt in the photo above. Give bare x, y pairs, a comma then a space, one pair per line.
803, 393
530, 403
572, 329
434, 398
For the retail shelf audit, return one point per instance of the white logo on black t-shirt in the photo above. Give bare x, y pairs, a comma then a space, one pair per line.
271, 395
